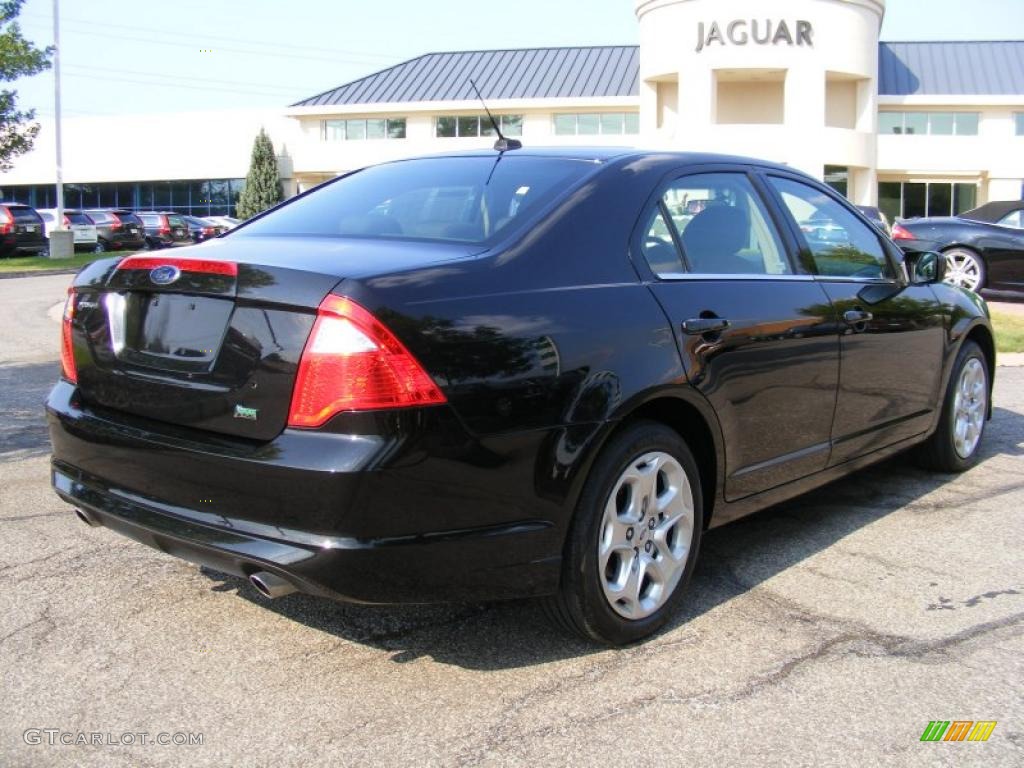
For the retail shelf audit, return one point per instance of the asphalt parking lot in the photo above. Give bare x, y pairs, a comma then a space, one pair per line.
828, 631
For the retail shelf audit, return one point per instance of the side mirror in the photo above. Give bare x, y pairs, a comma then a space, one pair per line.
924, 267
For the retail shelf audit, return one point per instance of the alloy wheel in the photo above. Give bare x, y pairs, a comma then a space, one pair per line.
646, 534
963, 269
969, 405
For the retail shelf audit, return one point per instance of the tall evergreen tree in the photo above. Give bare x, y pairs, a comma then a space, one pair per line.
18, 58
263, 183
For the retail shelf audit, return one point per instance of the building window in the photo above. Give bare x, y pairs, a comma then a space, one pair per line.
838, 177
912, 199
1018, 123
199, 197
362, 128
928, 123
451, 126
596, 123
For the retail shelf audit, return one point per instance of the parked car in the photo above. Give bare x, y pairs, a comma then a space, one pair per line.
454, 378
228, 222
21, 230
85, 237
117, 229
164, 229
202, 229
984, 247
877, 217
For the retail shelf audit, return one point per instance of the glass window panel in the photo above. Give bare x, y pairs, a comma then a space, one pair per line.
940, 199
729, 231
179, 194
588, 124
1018, 123
890, 122
199, 195
632, 122
334, 130
565, 125
611, 122
837, 177
658, 247
915, 123
126, 196
914, 196
355, 130
107, 195
376, 129
146, 196
396, 128
1014, 219
486, 129
469, 125
444, 127
941, 123
966, 123
889, 199
965, 197
90, 196
161, 194
842, 245
73, 196
512, 125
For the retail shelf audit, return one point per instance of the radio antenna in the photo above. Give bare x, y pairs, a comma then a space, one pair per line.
502, 144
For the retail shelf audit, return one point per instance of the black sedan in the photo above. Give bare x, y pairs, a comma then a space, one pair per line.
984, 248
507, 374
201, 230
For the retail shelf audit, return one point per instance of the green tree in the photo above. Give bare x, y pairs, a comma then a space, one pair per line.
263, 184
18, 58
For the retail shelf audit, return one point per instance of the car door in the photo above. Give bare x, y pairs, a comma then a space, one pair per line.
892, 333
1003, 246
755, 334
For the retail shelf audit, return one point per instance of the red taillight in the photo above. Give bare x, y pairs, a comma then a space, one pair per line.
353, 363
115, 221
67, 222
206, 266
67, 350
6, 227
900, 233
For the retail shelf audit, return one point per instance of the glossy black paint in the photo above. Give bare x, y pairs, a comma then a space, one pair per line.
544, 344
1000, 247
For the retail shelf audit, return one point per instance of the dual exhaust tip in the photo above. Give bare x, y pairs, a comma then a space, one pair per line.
268, 584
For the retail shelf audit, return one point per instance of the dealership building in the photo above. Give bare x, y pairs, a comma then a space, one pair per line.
919, 128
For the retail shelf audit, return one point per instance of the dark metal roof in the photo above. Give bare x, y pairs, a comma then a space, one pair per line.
526, 73
962, 68
927, 68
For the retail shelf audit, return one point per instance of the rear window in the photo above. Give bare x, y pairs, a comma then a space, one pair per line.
460, 199
78, 218
129, 218
150, 218
24, 215
99, 217
175, 221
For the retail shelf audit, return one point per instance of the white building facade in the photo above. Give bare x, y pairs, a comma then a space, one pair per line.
918, 128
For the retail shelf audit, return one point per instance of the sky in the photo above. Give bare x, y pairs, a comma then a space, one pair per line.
132, 56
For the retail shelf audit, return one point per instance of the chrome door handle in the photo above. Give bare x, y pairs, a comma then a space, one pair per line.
698, 325
854, 316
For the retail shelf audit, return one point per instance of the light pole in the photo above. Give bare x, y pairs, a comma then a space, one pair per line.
62, 245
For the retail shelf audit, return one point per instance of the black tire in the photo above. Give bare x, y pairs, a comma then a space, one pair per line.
580, 606
101, 246
939, 452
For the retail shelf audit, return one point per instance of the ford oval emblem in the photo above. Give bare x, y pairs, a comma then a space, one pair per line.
164, 275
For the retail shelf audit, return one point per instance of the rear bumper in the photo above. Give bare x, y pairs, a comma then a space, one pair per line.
342, 516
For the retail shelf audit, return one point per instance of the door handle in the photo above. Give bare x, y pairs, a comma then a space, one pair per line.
698, 325
854, 316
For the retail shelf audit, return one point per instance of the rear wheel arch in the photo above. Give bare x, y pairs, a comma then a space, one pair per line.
697, 429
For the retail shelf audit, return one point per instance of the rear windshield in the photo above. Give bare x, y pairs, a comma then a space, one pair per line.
129, 218
24, 215
99, 217
175, 221
461, 199
78, 218
150, 218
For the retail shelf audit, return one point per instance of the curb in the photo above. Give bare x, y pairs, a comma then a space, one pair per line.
38, 273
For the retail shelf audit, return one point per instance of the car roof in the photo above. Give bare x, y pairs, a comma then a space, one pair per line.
607, 154
993, 211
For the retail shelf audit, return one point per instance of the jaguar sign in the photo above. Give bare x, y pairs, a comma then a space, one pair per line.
758, 31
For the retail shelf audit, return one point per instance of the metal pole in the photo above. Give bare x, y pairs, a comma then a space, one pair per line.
59, 223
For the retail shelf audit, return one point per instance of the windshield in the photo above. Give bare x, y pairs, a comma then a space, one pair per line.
460, 199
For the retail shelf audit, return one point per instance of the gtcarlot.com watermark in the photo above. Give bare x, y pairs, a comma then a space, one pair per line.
55, 737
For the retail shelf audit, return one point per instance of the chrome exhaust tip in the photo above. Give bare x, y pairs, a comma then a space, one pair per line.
85, 518
270, 585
